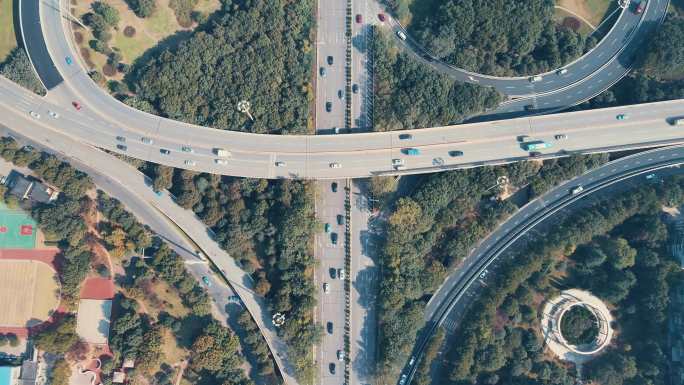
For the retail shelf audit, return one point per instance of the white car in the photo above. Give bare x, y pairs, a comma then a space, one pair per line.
401, 35
53, 114
341, 274
326, 288
562, 71
397, 162
335, 165
222, 162
536, 78
189, 162
340, 355
402, 381
146, 140
35, 114
577, 190
280, 164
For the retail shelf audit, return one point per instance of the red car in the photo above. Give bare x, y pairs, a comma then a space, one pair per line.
381, 16
76, 105
640, 7
359, 18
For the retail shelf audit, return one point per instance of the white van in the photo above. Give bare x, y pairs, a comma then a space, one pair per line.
221, 152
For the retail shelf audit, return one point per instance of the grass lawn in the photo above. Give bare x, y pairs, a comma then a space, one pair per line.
560, 14
148, 31
592, 10
8, 39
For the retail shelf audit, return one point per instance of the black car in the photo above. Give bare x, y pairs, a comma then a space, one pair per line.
164, 151
333, 238
340, 219
455, 153
340, 94
535, 154
331, 366
323, 72
355, 88
405, 137
122, 147
330, 60
333, 273
529, 107
121, 139
333, 186
328, 106
329, 326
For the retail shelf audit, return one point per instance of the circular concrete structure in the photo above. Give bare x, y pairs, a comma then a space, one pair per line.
553, 313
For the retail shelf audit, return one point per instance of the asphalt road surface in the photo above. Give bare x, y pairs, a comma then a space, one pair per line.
330, 44
331, 305
357, 155
645, 125
455, 291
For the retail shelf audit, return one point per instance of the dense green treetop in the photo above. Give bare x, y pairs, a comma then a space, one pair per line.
256, 50
499, 37
410, 94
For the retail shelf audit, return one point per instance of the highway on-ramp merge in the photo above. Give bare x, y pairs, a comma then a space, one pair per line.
583, 78
173, 223
452, 291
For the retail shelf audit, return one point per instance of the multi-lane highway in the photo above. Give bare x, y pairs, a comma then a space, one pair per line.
452, 296
329, 283
577, 81
341, 156
170, 221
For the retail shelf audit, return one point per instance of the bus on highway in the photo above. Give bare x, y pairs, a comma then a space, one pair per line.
535, 145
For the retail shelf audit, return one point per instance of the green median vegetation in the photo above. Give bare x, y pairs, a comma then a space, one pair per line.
409, 94
17, 68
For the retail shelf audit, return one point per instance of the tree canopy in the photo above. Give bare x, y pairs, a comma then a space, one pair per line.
408, 94
256, 50
497, 37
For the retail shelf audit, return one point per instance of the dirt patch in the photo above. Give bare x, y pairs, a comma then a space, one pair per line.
571, 23
591, 10
108, 70
85, 54
78, 37
129, 31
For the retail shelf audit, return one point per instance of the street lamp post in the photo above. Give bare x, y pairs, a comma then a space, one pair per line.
243, 106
